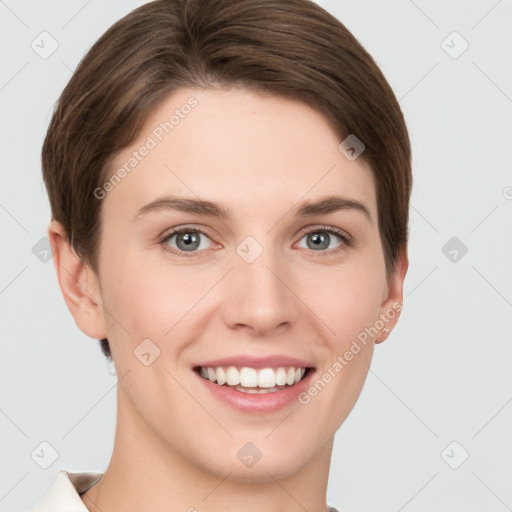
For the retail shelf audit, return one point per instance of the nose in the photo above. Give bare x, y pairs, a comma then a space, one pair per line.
259, 296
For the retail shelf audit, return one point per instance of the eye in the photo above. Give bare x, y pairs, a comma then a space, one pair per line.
193, 240
323, 237
185, 240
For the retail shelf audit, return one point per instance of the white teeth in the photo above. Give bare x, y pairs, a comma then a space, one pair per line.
265, 378
256, 391
232, 376
248, 377
290, 376
281, 376
221, 376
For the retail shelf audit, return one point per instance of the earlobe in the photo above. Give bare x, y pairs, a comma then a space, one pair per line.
391, 307
79, 284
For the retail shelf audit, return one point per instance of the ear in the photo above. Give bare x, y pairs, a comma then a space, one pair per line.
391, 306
78, 283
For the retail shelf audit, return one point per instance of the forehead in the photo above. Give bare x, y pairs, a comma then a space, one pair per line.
239, 148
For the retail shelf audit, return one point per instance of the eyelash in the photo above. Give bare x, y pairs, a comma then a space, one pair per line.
346, 239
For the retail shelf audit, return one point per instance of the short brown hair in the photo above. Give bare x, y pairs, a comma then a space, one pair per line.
291, 48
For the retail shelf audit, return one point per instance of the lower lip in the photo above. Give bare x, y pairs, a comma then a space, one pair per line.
257, 402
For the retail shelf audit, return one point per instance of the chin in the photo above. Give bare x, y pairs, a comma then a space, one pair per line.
262, 462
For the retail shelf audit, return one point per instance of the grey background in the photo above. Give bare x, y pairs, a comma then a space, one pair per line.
444, 374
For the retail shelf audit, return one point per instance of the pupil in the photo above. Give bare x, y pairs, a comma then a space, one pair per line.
320, 240
191, 240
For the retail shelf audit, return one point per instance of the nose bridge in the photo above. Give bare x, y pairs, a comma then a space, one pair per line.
258, 296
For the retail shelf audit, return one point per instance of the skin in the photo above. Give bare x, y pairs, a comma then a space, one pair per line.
260, 156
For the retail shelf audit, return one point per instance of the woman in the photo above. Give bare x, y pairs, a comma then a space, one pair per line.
229, 183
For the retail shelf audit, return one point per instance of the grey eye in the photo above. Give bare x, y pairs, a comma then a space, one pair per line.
187, 240
320, 240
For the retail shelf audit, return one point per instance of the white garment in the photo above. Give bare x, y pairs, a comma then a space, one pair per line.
64, 493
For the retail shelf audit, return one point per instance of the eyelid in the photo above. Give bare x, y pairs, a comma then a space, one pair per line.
344, 235
175, 230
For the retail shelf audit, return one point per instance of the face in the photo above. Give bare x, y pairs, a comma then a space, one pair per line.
244, 242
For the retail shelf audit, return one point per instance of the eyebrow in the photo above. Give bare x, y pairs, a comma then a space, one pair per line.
324, 205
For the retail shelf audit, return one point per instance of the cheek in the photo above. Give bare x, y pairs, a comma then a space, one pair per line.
346, 300
149, 298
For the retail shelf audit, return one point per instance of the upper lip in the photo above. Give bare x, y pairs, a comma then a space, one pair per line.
257, 362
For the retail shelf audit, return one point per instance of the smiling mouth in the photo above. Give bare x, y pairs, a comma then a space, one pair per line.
252, 380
